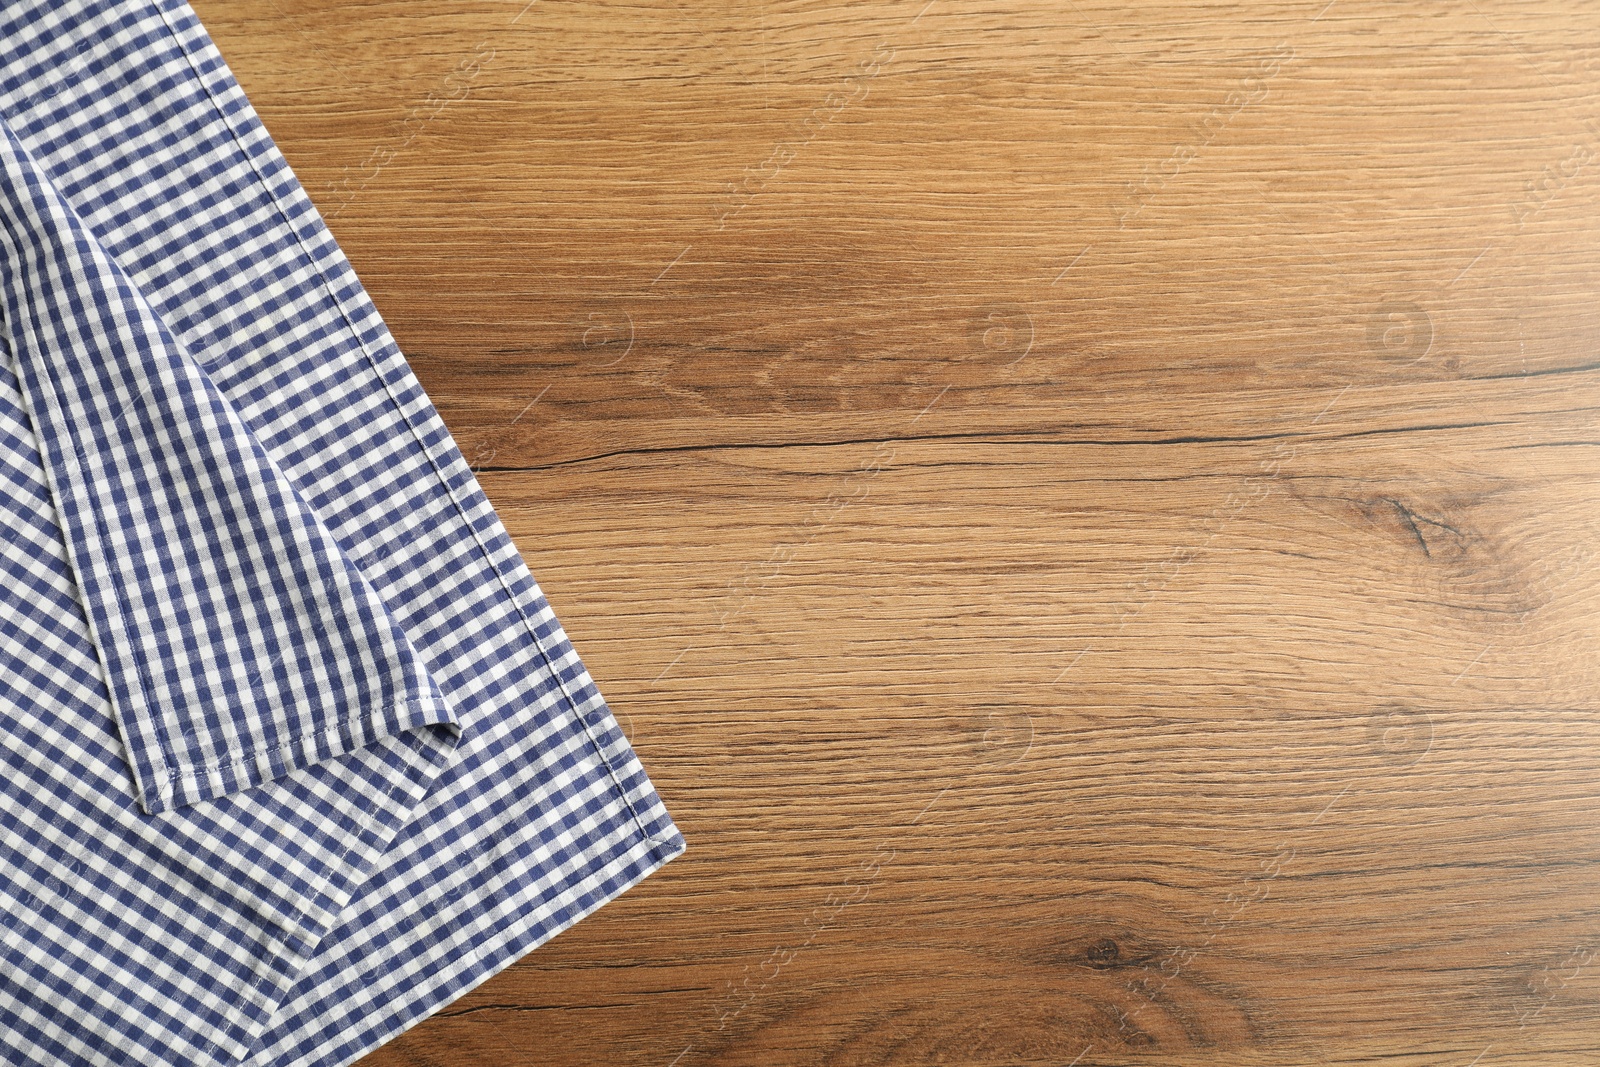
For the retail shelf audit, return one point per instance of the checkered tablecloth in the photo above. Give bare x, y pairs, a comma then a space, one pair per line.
292, 749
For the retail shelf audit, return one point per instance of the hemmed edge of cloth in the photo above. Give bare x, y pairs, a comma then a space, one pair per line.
489, 957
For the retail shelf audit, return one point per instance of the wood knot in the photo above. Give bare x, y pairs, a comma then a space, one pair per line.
1104, 952
1434, 537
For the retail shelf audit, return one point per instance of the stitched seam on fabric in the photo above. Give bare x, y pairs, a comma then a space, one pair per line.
170, 765
484, 958
163, 785
164, 753
191, 771
389, 794
583, 719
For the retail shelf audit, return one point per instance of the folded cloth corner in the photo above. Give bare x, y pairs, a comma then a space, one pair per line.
237, 640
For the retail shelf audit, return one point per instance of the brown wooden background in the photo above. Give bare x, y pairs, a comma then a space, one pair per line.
1087, 512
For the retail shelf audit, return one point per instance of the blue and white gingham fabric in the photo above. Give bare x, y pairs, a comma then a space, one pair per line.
292, 750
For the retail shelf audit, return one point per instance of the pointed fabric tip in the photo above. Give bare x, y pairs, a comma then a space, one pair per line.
238, 641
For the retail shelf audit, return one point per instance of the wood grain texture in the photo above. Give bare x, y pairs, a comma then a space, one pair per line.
1087, 513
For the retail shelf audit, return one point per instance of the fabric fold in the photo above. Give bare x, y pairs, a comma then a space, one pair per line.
238, 641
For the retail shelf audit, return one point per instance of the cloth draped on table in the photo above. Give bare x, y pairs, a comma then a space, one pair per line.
293, 751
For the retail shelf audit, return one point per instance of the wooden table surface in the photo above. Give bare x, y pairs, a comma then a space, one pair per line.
1086, 512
